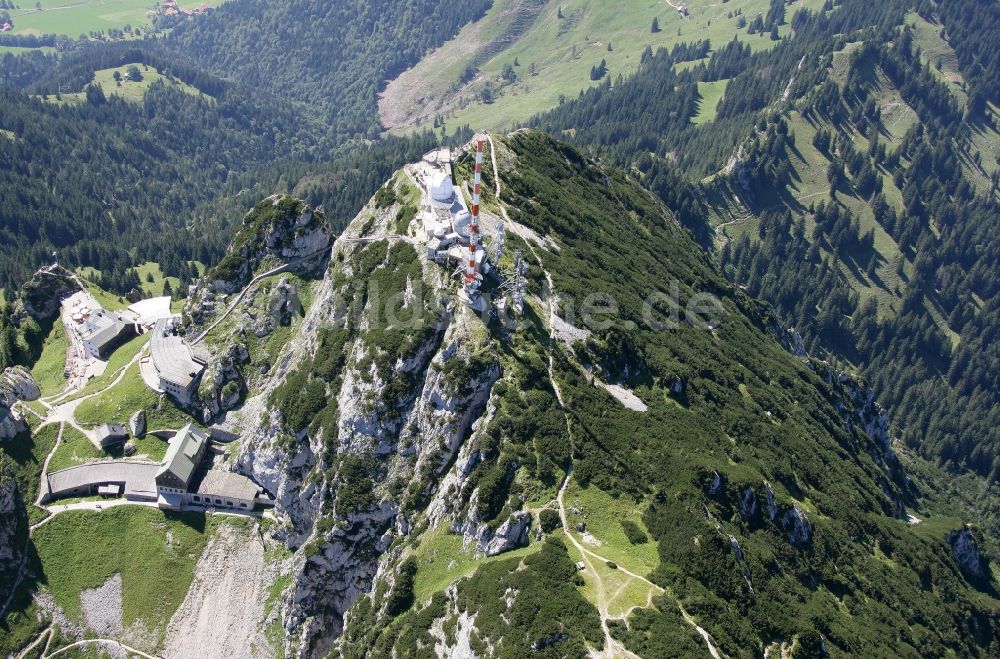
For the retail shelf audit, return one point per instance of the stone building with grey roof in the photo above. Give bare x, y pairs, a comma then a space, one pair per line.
174, 369
183, 480
109, 434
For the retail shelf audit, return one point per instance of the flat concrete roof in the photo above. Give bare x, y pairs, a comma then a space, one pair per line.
147, 312
172, 357
138, 477
216, 482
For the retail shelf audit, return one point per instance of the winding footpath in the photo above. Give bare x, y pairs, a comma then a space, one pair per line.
46, 635
285, 267
612, 647
62, 414
747, 215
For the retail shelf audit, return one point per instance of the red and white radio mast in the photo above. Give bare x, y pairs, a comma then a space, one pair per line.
471, 276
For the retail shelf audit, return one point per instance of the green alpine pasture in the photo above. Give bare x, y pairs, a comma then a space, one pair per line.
154, 552
48, 370
552, 57
117, 404
73, 18
134, 91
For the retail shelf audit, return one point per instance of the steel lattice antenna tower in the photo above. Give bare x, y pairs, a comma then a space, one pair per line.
515, 284
501, 240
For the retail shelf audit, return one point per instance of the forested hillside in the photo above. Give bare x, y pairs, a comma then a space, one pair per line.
741, 486
853, 180
331, 56
110, 183
115, 181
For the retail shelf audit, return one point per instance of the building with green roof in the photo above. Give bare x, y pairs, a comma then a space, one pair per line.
184, 455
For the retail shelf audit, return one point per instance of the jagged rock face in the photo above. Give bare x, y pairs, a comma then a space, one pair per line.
39, 297
791, 519
407, 440
337, 574
282, 305
789, 339
9, 553
748, 504
16, 384
856, 403
513, 533
966, 551
222, 386
278, 232
798, 527
858, 406
715, 486
12, 549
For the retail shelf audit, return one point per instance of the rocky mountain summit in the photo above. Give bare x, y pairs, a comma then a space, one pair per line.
411, 445
278, 232
39, 298
16, 384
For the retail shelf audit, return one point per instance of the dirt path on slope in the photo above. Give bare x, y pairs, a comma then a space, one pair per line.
612, 648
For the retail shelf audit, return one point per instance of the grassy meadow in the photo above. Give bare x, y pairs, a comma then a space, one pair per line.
129, 90
48, 370
74, 18
117, 404
563, 51
154, 552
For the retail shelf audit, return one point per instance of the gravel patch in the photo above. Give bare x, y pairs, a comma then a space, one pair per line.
223, 612
624, 396
102, 608
566, 332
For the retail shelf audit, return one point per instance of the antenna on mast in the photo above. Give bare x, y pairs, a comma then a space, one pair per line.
499, 244
472, 276
515, 284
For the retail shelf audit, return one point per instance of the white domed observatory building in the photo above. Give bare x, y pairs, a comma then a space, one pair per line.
449, 227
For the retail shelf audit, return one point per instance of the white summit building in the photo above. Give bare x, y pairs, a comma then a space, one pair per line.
171, 368
452, 233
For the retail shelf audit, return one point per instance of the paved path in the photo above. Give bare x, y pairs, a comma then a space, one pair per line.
43, 488
89, 505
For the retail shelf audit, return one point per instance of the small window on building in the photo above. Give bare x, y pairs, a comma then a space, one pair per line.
218, 502
243, 505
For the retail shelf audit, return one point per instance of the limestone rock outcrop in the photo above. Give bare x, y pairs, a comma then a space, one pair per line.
16, 384
11, 517
40, 296
137, 423
966, 551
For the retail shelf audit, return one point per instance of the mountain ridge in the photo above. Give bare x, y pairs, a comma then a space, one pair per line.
388, 466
